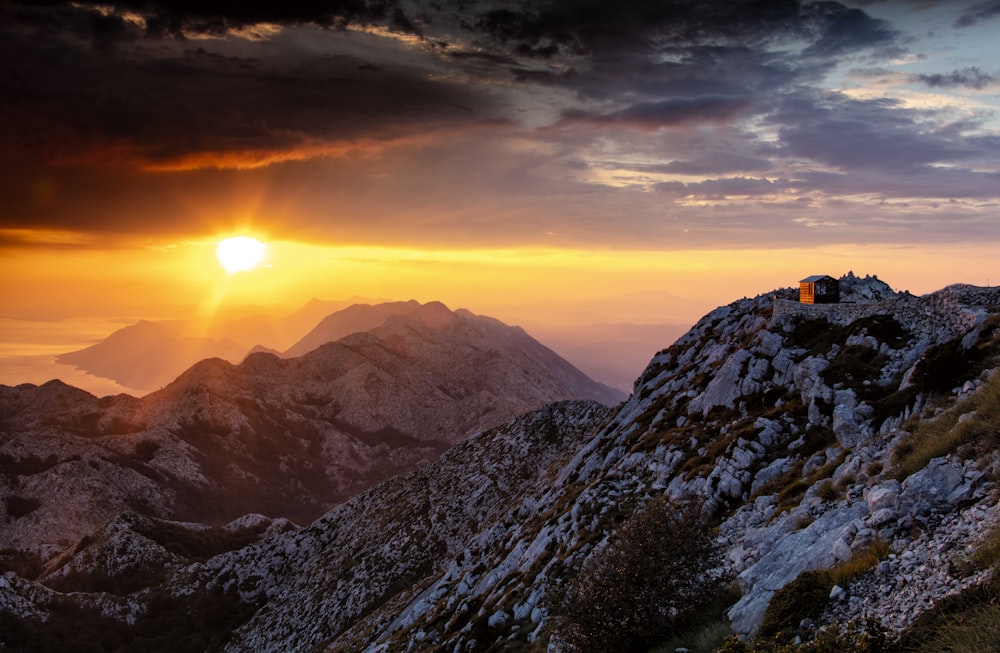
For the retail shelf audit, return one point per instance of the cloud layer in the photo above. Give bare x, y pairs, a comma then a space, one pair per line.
566, 123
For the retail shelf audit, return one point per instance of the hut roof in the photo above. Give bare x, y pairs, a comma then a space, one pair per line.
817, 277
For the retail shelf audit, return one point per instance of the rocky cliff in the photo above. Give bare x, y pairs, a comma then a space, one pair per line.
863, 446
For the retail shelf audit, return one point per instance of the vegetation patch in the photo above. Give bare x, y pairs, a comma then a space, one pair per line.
708, 629
199, 544
22, 563
986, 553
863, 561
849, 638
852, 367
145, 450
948, 365
14, 467
969, 429
199, 623
647, 585
966, 623
804, 598
818, 336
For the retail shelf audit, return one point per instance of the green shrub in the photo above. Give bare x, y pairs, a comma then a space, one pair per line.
647, 585
804, 598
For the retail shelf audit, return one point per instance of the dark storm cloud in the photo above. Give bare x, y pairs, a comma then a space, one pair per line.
102, 98
605, 30
835, 130
667, 113
66, 104
979, 13
218, 16
971, 77
841, 30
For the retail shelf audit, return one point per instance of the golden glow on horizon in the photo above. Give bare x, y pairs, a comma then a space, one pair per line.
173, 280
240, 253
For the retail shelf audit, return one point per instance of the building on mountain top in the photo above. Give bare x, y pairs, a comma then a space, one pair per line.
819, 289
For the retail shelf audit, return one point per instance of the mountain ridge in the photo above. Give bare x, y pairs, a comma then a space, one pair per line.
285, 437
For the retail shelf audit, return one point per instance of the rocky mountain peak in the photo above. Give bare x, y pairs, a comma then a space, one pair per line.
865, 290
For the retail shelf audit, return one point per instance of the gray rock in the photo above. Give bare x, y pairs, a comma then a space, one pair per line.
934, 489
809, 548
724, 388
845, 425
882, 516
772, 471
883, 495
768, 343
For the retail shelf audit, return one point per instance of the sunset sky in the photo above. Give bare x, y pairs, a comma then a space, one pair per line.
562, 160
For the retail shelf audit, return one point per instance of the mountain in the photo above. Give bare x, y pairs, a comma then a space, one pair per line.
353, 319
283, 437
846, 457
148, 355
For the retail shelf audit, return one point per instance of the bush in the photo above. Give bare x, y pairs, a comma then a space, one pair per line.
804, 598
646, 586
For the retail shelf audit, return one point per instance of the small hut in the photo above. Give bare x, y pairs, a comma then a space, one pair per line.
819, 289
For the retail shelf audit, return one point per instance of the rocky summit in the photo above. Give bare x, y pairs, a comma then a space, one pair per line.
846, 453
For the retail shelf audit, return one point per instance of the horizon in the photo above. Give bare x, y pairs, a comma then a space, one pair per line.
553, 165
40, 366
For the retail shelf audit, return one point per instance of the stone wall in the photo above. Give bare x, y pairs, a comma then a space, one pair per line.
836, 313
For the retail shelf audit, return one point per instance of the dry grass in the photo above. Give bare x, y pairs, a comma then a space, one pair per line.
862, 561
969, 428
987, 553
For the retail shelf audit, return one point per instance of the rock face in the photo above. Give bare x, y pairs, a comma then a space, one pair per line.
284, 437
789, 427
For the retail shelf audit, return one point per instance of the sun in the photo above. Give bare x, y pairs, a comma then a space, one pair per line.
240, 253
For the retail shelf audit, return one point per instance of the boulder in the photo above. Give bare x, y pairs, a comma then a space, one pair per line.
935, 489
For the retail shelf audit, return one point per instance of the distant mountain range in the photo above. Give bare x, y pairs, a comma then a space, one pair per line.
146, 356
284, 437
